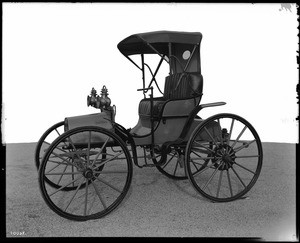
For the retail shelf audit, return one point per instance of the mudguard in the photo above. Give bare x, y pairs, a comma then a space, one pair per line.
102, 120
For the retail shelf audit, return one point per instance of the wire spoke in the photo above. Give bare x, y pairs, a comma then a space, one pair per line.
57, 131
244, 146
74, 194
52, 168
204, 158
73, 174
88, 149
229, 183
98, 194
176, 166
238, 176
230, 132
86, 196
195, 165
62, 175
46, 142
211, 177
56, 162
237, 139
101, 160
108, 160
45, 148
62, 187
194, 162
108, 184
100, 151
58, 148
68, 155
202, 170
168, 161
202, 146
246, 156
211, 137
245, 168
75, 150
201, 150
111, 171
59, 156
219, 183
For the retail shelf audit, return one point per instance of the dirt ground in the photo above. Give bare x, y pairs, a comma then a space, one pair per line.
157, 206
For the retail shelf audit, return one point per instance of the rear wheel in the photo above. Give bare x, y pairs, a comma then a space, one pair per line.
45, 141
173, 165
223, 157
42, 146
96, 163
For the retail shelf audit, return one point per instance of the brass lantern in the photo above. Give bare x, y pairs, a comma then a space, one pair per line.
104, 99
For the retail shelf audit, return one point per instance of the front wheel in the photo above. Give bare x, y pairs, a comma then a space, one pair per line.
98, 166
223, 157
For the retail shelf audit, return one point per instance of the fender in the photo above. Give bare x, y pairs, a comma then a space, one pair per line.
193, 115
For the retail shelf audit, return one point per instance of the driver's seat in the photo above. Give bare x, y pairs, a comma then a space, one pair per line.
181, 95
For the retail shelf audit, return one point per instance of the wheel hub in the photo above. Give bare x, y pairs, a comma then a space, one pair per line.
88, 173
227, 157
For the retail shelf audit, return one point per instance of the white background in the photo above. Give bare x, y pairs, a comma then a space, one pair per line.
54, 53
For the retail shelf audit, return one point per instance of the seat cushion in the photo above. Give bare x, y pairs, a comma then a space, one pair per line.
179, 86
145, 107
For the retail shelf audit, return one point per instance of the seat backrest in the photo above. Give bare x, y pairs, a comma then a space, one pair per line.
188, 86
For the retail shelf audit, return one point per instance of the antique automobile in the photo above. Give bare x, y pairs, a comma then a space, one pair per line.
85, 163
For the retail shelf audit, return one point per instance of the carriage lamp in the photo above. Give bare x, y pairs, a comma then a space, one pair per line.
93, 98
104, 99
99, 102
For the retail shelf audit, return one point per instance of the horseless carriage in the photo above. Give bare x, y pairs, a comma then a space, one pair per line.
85, 162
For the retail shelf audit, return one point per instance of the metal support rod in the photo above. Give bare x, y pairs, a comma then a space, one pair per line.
143, 74
157, 52
152, 118
154, 75
170, 53
133, 62
145, 156
186, 66
188, 62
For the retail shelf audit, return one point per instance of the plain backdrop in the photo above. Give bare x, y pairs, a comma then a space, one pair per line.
54, 53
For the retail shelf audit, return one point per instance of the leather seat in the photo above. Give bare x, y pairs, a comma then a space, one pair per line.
145, 106
179, 86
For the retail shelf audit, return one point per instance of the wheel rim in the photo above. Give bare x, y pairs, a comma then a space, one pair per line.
173, 167
224, 157
43, 145
99, 172
45, 141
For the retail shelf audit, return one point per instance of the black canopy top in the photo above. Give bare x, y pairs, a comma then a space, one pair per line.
139, 43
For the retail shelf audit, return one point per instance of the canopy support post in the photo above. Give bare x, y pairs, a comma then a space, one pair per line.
143, 75
170, 54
